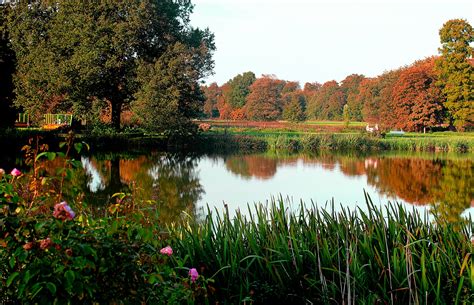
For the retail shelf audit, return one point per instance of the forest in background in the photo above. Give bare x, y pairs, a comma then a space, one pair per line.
436, 92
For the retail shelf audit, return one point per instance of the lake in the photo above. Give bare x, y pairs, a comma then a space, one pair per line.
185, 184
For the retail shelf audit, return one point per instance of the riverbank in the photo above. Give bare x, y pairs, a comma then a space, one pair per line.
390, 256
255, 141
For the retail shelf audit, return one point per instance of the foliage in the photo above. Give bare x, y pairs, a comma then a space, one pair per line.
417, 102
264, 102
72, 53
327, 102
309, 255
239, 89
212, 93
170, 96
65, 257
294, 108
350, 87
346, 115
456, 73
7, 67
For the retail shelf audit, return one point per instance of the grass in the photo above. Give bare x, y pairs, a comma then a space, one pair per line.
294, 140
314, 256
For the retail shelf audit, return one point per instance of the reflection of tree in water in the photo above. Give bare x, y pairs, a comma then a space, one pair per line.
455, 191
412, 180
176, 185
249, 166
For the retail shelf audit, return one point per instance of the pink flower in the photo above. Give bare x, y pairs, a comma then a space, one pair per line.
45, 243
2, 172
167, 251
193, 274
29, 245
63, 211
15, 172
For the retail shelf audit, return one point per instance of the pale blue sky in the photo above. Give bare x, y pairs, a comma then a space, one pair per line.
321, 40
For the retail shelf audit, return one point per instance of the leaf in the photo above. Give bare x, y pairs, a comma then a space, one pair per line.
51, 156
78, 147
51, 287
12, 277
62, 144
45, 153
70, 277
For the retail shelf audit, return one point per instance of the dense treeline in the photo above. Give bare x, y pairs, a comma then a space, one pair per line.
102, 60
434, 92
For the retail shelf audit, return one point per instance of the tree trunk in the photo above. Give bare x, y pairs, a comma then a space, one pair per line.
116, 111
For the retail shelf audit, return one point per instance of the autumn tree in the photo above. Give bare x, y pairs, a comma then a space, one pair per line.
374, 97
310, 88
417, 102
327, 102
456, 73
78, 52
294, 107
350, 88
225, 109
212, 94
264, 103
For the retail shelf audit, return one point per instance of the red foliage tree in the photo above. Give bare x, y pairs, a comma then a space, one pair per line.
222, 105
417, 101
264, 103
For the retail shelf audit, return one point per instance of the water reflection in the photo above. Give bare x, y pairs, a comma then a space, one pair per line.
178, 183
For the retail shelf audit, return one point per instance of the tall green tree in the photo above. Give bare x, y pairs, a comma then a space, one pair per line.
72, 53
456, 73
169, 93
239, 89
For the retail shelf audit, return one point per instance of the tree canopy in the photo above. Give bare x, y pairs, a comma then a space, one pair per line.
456, 73
72, 53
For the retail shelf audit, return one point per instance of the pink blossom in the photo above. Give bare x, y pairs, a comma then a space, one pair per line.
15, 172
167, 251
193, 274
29, 245
2, 172
63, 211
45, 243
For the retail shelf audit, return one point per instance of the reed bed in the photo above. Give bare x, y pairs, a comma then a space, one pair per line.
312, 256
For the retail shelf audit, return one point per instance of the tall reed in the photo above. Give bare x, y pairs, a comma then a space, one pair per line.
314, 256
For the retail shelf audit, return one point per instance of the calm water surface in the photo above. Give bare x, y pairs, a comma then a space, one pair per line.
439, 183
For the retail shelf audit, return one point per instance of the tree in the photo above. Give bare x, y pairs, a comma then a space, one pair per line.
294, 108
416, 100
212, 94
169, 94
456, 73
7, 68
346, 116
327, 102
350, 88
264, 103
374, 97
239, 89
76, 52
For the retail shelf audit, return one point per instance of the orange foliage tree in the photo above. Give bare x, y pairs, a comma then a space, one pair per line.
264, 103
416, 100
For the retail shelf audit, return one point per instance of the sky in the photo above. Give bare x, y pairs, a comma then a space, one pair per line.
322, 40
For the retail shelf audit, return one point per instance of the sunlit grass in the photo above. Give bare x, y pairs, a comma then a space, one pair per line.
313, 256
